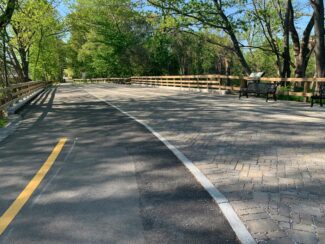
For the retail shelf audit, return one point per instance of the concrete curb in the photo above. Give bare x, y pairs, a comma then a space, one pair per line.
15, 119
13, 109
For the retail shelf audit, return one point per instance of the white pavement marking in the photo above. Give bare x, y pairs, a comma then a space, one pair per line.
236, 224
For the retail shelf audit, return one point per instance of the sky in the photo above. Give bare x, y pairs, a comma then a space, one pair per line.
63, 9
301, 4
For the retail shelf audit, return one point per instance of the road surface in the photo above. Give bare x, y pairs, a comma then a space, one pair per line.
112, 182
266, 158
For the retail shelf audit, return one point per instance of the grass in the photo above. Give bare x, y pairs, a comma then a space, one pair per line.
3, 122
290, 98
286, 97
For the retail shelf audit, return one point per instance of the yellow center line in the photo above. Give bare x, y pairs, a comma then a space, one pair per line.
24, 196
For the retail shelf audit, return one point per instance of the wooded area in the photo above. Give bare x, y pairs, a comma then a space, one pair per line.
122, 38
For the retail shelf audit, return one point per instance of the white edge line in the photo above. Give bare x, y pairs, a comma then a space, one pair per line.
236, 224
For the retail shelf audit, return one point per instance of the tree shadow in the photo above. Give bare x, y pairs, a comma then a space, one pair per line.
77, 201
245, 147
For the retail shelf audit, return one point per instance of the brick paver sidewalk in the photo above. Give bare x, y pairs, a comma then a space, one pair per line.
267, 158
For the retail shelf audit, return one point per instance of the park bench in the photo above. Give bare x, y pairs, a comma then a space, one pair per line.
318, 94
256, 88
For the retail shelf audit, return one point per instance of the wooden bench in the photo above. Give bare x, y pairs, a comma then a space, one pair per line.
318, 94
255, 87
259, 89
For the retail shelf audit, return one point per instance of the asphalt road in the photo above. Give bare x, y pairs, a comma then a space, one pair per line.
114, 182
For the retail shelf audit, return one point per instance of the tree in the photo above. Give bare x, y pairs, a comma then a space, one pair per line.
107, 41
189, 37
208, 14
271, 18
31, 26
302, 49
318, 6
6, 16
8, 10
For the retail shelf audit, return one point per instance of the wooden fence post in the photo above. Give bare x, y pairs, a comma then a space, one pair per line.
305, 91
243, 82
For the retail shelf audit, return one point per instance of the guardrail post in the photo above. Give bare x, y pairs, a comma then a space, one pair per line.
243, 82
208, 83
305, 90
198, 84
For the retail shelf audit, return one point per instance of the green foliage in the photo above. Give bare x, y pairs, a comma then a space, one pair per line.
291, 98
3, 122
104, 40
35, 39
119, 40
260, 61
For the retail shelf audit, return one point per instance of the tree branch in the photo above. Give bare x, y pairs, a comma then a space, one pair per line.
6, 16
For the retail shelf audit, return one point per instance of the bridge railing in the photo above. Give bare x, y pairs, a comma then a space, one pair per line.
14, 93
191, 81
232, 83
101, 80
301, 87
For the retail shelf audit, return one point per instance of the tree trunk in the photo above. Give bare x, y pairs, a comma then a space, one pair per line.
6, 16
38, 53
306, 49
318, 6
24, 63
240, 55
4, 46
230, 31
227, 70
302, 50
16, 64
227, 66
286, 72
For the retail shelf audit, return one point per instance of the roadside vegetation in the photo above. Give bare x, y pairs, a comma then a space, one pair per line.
101, 38
157, 37
121, 38
3, 122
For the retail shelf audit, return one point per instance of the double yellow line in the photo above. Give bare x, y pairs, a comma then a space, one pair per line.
24, 196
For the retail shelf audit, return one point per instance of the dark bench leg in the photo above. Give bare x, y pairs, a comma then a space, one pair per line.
312, 102
321, 101
243, 93
274, 97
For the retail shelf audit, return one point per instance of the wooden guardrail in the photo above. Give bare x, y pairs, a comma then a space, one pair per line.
191, 81
223, 82
215, 82
14, 93
101, 80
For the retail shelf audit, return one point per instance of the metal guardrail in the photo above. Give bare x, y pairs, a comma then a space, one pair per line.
14, 93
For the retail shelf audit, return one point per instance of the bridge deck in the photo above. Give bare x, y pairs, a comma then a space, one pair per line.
267, 158
113, 181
